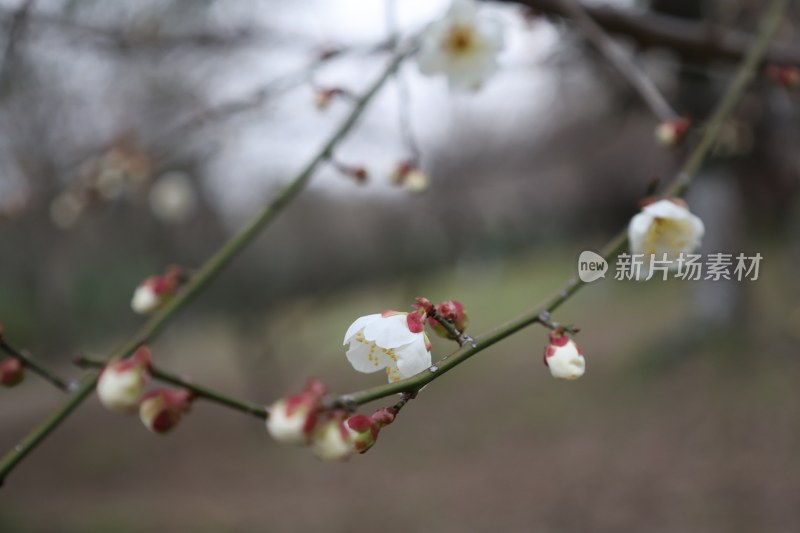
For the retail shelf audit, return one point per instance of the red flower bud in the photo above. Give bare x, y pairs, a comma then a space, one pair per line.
161, 409
453, 311
12, 372
788, 76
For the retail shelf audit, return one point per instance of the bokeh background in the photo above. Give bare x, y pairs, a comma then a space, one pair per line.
138, 134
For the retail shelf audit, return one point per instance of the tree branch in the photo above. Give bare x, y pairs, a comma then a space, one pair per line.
28, 362
207, 273
680, 184
697, 40
643, 85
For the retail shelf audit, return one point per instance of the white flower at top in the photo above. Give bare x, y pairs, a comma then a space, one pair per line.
665, 227
390, 340
463, 46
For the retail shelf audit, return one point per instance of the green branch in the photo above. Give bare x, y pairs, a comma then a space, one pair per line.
207, 273
35, 367
732, 96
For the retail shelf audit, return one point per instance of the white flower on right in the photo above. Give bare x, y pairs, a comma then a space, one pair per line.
463, 46
665, 227
563, 357
392, 340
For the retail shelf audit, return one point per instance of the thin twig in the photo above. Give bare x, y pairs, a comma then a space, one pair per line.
206, 274
732, 96
696, 40
254, 409
28, 362
643, 85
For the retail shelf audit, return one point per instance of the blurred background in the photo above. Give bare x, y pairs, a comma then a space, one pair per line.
134, 135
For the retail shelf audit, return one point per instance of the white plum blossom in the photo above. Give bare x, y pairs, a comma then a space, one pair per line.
122, 383
563, 357
463, 46
173, 197
390, 340
665, 227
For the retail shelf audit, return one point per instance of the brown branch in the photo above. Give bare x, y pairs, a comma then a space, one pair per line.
696, 40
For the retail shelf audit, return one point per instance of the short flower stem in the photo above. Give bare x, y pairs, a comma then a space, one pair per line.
680, 184
458, 336
545, 320
405, 397
207, 273
35, 367
200, 391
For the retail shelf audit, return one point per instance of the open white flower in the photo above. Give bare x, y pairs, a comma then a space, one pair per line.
563, 357
391, 340
463, 46
665, 227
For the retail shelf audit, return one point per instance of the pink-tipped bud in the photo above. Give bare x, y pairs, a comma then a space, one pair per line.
122, 383
358, 173
672, 132
424, 304
323, 97
563, 357
364, 429
292, 419
161, 409
453, 311
332, 440
788, 76
155, 290
410, 176
12, 372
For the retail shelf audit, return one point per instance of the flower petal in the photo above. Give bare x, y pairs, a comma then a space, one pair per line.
637, 232
358, 325
366, 356
413, 358
390, 332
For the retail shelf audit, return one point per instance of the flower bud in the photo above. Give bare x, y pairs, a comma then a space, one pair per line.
155, 290
161, 409
12, 372
671, 132
332, 440
563, 357
292, 419
788, 76
323, 97
122, 383
408, 175
364, 429
453, 311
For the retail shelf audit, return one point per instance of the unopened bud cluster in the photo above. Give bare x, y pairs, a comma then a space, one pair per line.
121, 387
334, 435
